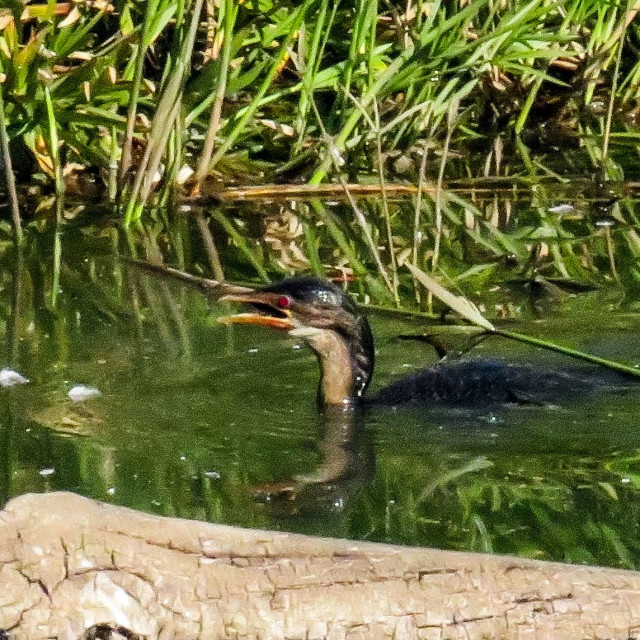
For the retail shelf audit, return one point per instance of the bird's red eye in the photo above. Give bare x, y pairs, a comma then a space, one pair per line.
284, 302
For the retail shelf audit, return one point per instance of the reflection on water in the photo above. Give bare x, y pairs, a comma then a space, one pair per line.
204, 421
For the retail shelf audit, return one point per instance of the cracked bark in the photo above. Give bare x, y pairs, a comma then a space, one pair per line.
72, 569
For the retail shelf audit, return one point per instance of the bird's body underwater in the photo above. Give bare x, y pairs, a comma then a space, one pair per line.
321, 314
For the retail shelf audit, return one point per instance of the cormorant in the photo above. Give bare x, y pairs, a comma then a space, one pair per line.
326, 318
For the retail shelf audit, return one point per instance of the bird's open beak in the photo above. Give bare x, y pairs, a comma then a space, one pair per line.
268, 313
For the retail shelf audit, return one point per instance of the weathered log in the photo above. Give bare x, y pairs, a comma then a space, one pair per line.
73, 568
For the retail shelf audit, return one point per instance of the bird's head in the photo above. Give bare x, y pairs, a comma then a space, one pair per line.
320, 313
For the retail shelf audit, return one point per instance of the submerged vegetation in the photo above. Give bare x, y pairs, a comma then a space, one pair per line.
196, 421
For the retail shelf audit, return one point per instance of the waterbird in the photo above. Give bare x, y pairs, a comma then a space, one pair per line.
322, 315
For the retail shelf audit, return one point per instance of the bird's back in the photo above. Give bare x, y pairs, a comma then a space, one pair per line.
482, 382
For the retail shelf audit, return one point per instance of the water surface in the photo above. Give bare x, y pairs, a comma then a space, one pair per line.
204, 421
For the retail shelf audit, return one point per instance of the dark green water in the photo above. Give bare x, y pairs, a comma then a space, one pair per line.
217, 423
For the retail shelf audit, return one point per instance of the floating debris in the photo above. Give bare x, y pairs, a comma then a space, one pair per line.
49, 471
11, 378
562, 208
81, 392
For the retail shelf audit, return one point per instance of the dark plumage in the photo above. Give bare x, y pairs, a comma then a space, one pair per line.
484, 382
326, 318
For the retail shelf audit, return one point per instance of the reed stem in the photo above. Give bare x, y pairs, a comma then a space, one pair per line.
8, 174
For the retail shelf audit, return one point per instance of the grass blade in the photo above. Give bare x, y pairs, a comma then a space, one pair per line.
470, 312
459, 304
8, 174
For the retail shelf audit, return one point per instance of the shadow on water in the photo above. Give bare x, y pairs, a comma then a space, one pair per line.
204, 421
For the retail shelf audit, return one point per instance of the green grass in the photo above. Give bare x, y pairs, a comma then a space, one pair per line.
131, 97
497, 112
184, 87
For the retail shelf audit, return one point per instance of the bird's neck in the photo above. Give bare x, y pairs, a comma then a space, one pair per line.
346, 363
337, 371
340, 381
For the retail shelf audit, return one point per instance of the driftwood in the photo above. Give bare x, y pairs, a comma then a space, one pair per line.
73, 568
